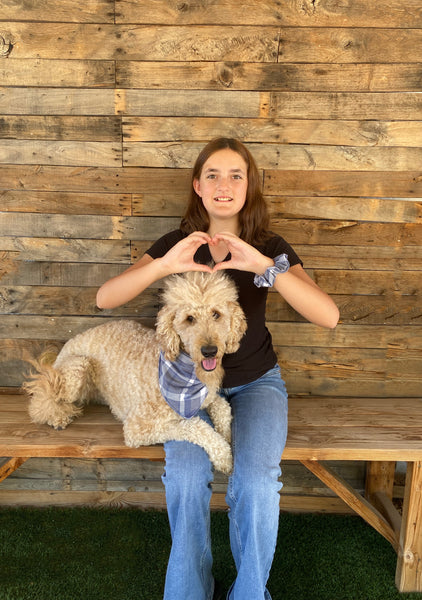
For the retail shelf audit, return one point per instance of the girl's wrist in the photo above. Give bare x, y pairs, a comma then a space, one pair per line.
264, 265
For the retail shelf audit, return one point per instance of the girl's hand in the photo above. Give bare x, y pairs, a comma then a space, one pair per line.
180, 258
243, 256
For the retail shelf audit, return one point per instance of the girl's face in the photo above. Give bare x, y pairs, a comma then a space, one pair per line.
223, 184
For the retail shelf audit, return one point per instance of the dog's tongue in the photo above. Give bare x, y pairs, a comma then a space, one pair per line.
209, 364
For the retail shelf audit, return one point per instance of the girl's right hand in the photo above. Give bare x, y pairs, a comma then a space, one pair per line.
180, 258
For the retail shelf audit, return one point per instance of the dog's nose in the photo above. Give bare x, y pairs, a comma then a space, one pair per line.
209, 351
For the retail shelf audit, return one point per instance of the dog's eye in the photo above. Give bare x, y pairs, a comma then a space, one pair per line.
190, 319
216, 315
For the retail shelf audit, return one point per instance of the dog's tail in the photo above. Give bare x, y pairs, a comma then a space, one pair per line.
55, 393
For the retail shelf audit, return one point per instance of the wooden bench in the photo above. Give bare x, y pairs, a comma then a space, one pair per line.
380, 431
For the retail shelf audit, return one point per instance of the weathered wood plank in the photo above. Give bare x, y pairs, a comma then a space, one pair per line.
351, 233
378, 258
352, 13
66, 300
67, 250
94, 179
280, 156
46, 127
90, 437
364, 364
84, 226
405, 184
81, 274
285, 131
342, 105
66, 202
269, 77
57, 73
143, 42
83, 154
366, 209
219, 12
389, 309
349, 45
56, 101
369, 282
142, 475
347, 336
89, 11
159, 204
191, 103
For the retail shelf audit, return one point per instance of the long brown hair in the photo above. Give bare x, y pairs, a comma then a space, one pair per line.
254, 218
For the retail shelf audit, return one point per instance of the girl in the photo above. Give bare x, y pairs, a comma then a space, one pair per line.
227, 224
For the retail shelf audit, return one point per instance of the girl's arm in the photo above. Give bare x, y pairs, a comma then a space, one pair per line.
134, 280
305, 296
296, 287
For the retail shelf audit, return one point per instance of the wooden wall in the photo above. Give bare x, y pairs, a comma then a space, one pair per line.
105, 104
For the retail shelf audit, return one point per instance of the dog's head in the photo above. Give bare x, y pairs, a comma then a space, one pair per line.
201, 315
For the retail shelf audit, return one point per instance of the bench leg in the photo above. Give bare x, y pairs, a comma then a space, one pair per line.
379, 491
409, 562
10, 466
359, 504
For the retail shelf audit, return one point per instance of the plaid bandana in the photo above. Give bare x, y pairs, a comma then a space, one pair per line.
179, 385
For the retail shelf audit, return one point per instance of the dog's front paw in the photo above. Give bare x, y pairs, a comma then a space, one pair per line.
60, 423
224, 464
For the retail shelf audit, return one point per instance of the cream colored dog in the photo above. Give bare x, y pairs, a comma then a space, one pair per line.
117, 364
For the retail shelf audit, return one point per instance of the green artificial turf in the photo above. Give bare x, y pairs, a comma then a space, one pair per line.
121, 554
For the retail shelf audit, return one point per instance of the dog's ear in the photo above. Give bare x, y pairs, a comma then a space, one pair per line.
167, 338
238, 327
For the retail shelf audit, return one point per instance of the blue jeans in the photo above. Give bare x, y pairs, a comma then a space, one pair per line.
259, 433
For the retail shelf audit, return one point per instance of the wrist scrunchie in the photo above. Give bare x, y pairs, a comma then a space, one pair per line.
281, 265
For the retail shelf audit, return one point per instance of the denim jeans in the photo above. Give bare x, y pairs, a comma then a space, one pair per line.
259, 433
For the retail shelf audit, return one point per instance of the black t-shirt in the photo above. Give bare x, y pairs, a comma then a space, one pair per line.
256, 354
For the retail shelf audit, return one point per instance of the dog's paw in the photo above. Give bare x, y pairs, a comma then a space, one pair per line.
225, 464
226, 432
59, 423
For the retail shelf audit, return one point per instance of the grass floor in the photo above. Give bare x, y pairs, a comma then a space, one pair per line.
121, 554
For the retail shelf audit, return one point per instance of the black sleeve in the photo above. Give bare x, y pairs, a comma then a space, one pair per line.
163, 245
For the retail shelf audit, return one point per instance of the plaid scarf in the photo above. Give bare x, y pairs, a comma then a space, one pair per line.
179, 385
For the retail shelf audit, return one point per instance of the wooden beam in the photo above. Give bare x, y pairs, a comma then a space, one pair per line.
361, 506
409, 563
10, 466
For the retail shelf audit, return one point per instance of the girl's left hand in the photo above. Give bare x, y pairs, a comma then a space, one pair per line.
243, 256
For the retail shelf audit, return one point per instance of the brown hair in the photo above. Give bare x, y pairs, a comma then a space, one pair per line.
253, 218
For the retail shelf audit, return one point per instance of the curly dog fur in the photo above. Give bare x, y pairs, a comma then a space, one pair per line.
117, 364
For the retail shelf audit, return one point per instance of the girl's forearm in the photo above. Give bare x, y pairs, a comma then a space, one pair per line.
130, 283
307, 298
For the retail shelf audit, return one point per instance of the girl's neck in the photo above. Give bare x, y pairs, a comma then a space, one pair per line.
217, 226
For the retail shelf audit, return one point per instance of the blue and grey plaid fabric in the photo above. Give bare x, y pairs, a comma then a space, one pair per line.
281, 265
179, 385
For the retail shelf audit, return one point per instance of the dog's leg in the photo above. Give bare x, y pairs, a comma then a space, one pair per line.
141, 432
221, 415
77, 373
